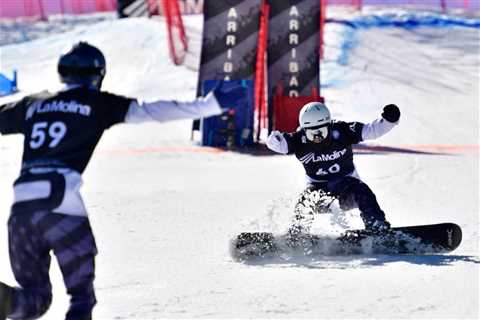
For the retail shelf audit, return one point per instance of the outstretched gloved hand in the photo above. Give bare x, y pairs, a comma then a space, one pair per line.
276, 142
391, 113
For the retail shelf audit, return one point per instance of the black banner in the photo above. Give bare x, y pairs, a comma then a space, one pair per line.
230, 33
293, 47
132, 8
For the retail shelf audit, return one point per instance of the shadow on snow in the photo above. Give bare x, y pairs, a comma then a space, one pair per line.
358, 261
259, 149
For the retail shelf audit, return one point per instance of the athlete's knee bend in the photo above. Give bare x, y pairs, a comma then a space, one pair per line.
44, 305
31, 305
43, 302
362, 189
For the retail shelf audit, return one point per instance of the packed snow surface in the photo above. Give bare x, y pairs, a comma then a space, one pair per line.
164, 209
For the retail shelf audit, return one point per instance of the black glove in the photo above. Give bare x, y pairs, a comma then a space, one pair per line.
391, 113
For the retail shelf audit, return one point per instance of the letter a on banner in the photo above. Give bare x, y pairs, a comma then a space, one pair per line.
293, 47
230, 38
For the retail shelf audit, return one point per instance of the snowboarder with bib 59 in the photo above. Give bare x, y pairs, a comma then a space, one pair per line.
324, 147
61, 132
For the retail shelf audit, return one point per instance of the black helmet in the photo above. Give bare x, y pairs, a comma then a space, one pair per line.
82, 64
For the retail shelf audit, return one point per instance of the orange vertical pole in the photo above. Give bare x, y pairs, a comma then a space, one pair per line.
323, 18
259, 96
173, 18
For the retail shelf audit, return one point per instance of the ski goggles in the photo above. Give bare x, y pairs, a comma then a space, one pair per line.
318, 133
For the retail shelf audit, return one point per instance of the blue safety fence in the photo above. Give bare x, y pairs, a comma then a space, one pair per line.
8, 86
337, 58
408, 20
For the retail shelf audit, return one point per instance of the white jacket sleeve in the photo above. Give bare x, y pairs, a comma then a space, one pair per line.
276, 142
376, 129
163, 110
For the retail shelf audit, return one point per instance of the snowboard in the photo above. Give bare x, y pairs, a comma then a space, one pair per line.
420, 239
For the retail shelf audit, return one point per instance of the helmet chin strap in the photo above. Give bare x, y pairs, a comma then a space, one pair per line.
318, 139
317, 135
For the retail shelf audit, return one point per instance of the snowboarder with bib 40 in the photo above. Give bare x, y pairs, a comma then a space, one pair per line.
61, 131
324, 147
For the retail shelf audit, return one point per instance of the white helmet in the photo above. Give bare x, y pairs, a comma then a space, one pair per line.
315, 119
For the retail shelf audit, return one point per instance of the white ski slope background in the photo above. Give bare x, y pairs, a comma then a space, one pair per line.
164, 209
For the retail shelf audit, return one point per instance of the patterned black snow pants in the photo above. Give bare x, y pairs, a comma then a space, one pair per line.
351, 193
31, 238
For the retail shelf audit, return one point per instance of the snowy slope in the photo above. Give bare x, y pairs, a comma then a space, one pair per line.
164, 210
